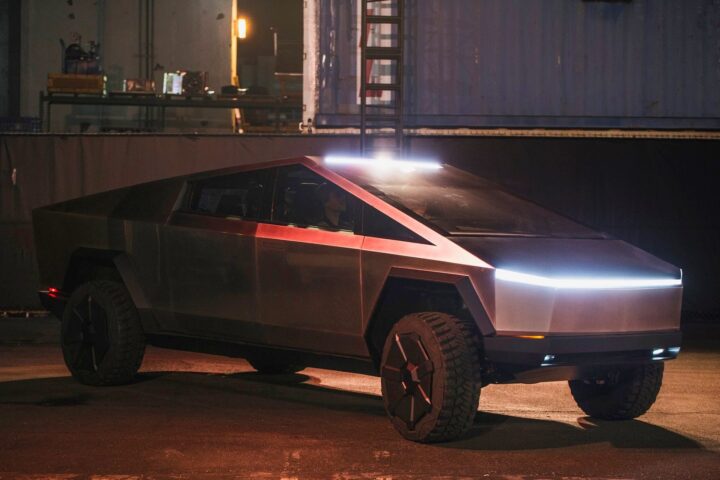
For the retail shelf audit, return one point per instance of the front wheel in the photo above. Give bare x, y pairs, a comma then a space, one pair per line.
620, 394
102, 339
430, 375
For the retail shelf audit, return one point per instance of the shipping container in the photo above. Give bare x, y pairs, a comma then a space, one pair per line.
647, 64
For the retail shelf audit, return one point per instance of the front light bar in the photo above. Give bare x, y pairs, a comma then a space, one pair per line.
591, 283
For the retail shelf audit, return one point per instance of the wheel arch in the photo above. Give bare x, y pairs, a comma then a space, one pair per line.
412, 291
87, 264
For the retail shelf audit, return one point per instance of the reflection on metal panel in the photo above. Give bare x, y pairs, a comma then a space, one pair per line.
660, 195
529, 308
558, 63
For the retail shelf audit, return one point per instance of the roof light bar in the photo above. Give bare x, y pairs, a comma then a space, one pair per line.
382, 162
591, 283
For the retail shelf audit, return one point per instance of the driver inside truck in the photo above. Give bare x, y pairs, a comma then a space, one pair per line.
334, 204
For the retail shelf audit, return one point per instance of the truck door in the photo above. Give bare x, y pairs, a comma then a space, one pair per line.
309, 266
210, 256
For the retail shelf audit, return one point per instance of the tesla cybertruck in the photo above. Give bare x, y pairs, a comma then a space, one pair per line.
436, 280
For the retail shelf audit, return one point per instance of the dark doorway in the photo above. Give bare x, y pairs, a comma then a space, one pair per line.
270, 57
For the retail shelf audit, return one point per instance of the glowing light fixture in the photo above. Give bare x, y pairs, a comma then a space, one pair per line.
665, 353
548, 361
591, 283
383, 162
242, 28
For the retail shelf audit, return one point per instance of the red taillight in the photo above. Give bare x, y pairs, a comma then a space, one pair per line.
53, 292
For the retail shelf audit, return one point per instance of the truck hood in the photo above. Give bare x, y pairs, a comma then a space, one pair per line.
555, 257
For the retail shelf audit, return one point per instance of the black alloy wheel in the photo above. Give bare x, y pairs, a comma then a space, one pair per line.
86, 337
430, 374
101, 335
408, 374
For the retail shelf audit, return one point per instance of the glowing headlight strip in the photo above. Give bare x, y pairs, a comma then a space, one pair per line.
585, 282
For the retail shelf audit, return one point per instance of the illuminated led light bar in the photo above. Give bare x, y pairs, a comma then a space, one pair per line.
585, 282
383, 162
665, 353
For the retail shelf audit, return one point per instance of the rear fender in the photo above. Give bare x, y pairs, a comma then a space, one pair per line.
89, 264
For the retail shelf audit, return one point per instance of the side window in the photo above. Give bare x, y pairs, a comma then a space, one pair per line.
243, 195
377, 224
305, 199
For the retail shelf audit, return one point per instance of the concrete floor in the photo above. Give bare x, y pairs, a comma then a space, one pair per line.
199, 416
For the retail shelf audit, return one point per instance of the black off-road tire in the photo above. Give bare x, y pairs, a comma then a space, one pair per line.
430, 372
101, 335
621, 394
267, 365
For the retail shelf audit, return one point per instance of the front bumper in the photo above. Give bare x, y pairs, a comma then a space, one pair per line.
566, 357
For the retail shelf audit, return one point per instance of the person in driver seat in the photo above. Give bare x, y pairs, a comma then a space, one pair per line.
333, 201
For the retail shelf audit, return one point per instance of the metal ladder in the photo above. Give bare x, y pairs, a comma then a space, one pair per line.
382, 115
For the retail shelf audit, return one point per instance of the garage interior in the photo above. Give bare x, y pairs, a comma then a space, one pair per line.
607, 112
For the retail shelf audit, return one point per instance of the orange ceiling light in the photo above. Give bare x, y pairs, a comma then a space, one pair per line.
242, 28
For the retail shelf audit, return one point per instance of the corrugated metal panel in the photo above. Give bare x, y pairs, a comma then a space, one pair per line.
555, 63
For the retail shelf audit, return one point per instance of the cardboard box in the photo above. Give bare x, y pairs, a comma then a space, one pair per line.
75, 83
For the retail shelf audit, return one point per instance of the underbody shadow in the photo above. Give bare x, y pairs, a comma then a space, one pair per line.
52, 400
490, 431
305, 389
143, 377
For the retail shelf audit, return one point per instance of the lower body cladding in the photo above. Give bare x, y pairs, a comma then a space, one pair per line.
534, 359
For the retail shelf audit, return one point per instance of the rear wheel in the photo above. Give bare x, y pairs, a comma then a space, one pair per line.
101, 335
620, 394
430, 375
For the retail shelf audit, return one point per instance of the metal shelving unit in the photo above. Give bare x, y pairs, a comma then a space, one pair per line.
163, 102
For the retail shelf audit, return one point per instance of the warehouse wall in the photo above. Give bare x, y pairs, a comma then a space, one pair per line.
188, 35
557, 63
658, 194
45, 22
4, 57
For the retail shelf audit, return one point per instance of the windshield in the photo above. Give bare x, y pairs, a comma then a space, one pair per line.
458, 203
